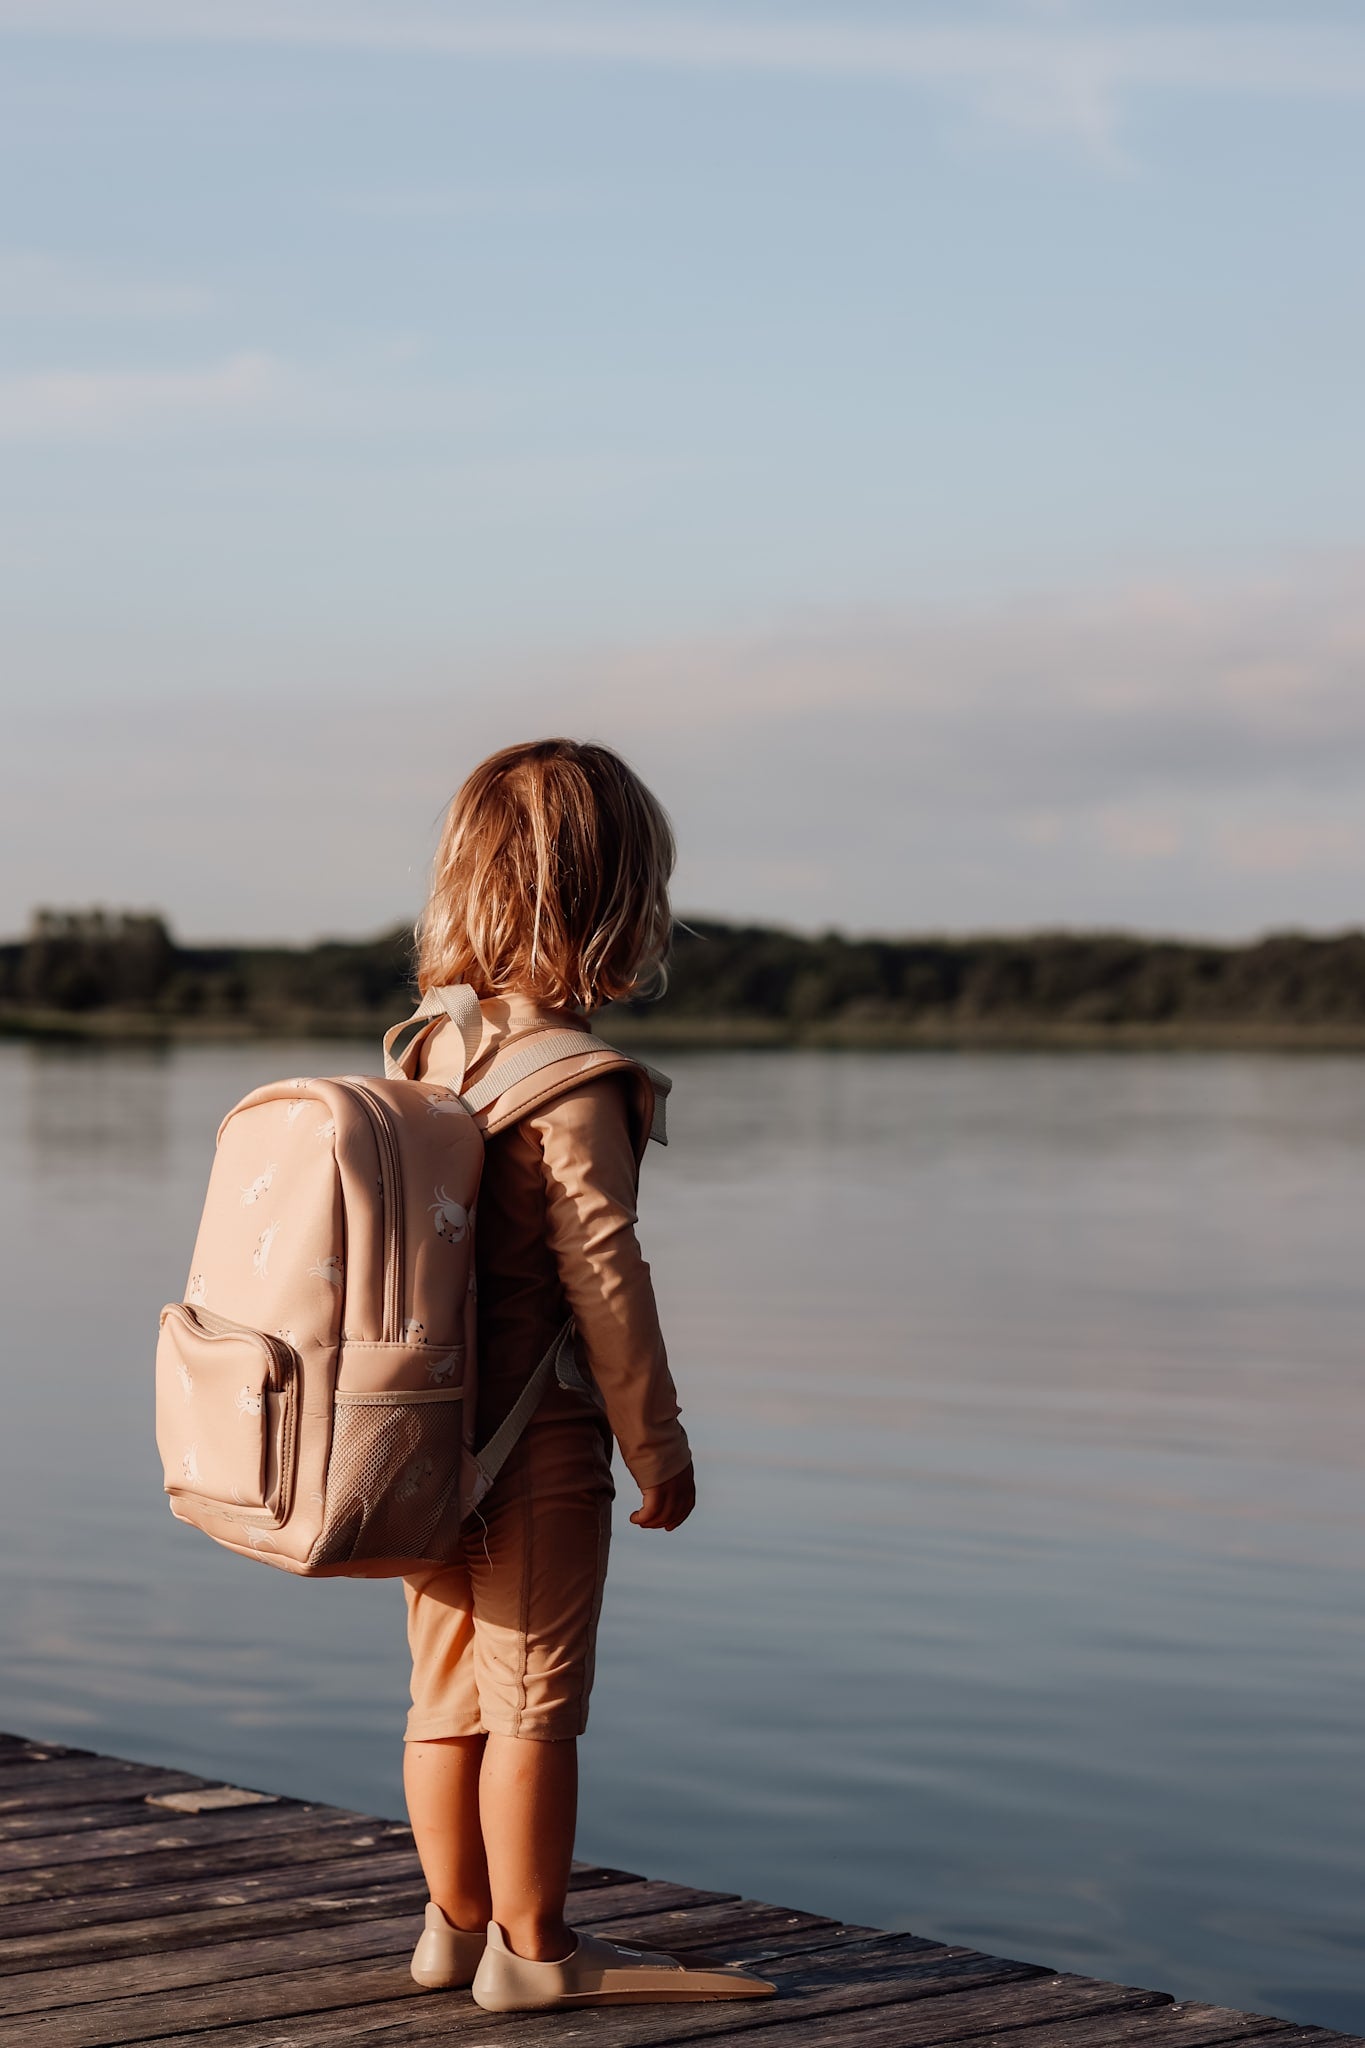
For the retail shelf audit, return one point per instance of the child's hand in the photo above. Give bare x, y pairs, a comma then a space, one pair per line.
664, 1507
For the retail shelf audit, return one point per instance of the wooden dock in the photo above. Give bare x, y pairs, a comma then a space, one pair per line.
143, 1905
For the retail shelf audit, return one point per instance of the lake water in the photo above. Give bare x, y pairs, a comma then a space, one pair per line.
1025, 1604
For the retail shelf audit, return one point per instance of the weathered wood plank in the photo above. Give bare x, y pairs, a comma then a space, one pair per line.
26, 1748
833, 1983
264, 1951
130, 1810
1133, 2026
86, 1962
139, 1980
749, 1923
1192, 2025
67, 1781
344, 1870
305, 1835
101, 1913
161, 1830
343, 1983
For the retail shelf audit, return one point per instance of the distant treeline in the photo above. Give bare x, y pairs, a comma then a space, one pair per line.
90, 971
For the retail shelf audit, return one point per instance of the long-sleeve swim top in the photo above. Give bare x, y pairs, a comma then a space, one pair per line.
556, 1236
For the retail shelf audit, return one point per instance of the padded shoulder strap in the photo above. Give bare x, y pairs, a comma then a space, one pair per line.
535, 1070
550, 1065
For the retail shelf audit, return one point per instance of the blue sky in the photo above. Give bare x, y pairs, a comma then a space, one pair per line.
928, 439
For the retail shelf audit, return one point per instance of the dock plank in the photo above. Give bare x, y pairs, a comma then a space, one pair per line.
349, 1869
326, 2006
300, 1837
72, 1781
87, 1962
289, 1924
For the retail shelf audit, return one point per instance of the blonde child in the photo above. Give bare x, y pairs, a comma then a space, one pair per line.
549, 897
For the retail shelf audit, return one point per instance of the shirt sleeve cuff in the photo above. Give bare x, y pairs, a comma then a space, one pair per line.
654, 1467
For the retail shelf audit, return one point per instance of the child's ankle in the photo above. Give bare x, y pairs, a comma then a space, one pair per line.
466, 1916
540, 1941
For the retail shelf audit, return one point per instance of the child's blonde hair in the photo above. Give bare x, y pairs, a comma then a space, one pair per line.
550, 880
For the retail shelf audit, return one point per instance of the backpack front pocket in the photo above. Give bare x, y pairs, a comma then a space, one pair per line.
226, 1401
393, 1477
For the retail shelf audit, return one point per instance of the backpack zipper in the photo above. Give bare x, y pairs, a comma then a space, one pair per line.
390, 1189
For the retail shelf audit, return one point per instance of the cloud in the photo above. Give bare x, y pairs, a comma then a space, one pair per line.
38, 285
1177, 756
45, 405
1051, 71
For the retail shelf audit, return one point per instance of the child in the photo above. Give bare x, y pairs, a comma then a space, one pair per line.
549, 897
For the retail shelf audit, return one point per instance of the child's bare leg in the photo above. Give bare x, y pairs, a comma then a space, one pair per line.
528, 1798
441, 1780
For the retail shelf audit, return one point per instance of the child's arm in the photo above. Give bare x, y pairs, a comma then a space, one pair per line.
590, 1175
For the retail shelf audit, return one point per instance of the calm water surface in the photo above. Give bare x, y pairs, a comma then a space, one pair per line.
1025, 1604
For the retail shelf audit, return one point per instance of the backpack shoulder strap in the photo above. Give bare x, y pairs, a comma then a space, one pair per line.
552, 1063
538, 1068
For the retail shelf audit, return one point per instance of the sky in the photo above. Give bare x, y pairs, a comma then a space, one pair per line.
928, 440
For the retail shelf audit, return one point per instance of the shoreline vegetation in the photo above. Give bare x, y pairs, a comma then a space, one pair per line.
120, 978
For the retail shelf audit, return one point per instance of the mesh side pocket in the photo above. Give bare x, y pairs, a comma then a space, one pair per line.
392, 1478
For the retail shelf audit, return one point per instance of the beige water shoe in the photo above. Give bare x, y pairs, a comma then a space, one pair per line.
446, 1957
600, 1973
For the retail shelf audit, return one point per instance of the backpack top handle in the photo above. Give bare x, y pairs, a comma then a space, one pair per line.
455, 1000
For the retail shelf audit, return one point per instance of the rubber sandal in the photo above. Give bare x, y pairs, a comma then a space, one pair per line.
446, 1957
600, 1972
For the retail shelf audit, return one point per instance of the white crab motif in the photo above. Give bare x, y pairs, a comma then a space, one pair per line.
259, 1186
185, 1377
196, 1297
189, 1464
247, 1402
260, 1258
452, 1222
259, 1540
413, 1480
444, 1105
288, 1337
328, 1130
293, 1110
414, 1332
328, 1269
441, 1371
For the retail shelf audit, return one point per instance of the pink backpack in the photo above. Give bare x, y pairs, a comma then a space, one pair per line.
316, 1388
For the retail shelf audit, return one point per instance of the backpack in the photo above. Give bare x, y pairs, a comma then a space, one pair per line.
316, 1387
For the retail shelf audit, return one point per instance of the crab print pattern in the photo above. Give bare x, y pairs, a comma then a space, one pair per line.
247, 1402
452, 1222
293, 1110
186, 1379
259, 1186
444, 1105
441, 1371
413, 1479
189, 1465
328, 1269
260, 1258
328, 1130
195, 1296
414, 1332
